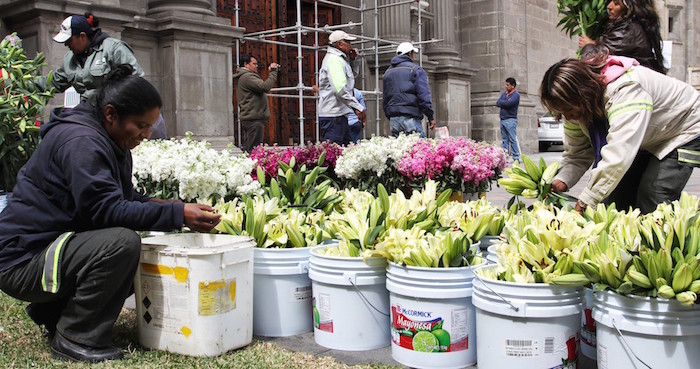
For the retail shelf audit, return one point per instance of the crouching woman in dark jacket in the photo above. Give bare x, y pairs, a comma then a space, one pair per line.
67, 240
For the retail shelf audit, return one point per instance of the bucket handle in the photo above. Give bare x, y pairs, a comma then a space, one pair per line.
351, 277
476, 275
629, 348
303, 267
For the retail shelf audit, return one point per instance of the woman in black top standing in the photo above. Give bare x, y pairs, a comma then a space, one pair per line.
634, 31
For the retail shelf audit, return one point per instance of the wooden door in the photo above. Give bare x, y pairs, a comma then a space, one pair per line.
254, 16
257, 15
290, 114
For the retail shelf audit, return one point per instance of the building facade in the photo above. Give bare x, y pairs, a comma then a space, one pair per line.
188, 50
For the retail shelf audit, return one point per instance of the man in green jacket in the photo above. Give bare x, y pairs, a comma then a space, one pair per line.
92, 55
251, 92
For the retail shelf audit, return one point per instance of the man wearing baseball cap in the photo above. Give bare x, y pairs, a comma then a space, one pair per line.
92, 55
406, 94
74, 25
336, 82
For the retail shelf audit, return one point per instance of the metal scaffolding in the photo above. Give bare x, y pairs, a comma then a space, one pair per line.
373, 44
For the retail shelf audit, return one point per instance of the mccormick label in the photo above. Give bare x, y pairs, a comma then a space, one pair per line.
427, 331
565, 350
588, 329
322, 313
570, 361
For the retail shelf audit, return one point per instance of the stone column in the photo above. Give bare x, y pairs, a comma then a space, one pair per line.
444, 28
187, 50
394, 25
451, 93
394, 21
205, 7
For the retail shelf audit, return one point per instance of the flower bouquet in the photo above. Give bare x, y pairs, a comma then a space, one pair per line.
21, 104
375, 161
270, 157
188, 170
583, 17
462, 165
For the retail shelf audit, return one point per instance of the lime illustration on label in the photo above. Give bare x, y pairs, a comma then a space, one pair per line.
423, 331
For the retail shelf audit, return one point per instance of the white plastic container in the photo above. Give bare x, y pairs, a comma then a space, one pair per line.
282, 292
491, 255
487, 241
588, 327
542, 333
351, 302
662, 333
194, 293
433, 322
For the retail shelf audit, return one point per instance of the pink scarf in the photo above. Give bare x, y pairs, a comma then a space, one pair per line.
616, 66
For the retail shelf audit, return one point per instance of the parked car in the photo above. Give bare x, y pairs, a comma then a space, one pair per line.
550, 131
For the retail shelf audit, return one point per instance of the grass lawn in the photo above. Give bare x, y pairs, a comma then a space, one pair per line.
24, 345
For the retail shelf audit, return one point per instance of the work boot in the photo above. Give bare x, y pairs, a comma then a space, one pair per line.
63, 348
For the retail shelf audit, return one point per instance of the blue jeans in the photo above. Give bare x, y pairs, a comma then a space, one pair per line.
405, 124
335, 129
509, 137
355, 130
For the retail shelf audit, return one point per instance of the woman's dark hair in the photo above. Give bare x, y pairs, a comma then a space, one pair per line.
127, 93
595, 55
573, 86
93, 22
644, 12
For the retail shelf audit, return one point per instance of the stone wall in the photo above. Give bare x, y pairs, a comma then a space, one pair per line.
185, 52
502, 39
184, 49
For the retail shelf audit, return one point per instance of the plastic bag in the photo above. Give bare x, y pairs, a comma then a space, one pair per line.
442, 132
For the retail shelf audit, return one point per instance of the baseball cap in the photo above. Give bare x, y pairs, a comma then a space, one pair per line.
405, 48
73, 25
340, 35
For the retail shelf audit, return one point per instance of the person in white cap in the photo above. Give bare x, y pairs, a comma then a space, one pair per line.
336, 83
406, 93
92, 55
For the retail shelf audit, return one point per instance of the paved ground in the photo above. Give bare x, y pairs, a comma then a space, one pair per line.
306, 343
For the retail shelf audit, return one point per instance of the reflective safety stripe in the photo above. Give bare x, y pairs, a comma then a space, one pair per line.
336, 66
631, 105
689, 156
50, 279
572, 129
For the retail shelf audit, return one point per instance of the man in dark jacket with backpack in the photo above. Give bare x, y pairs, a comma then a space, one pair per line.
406, 94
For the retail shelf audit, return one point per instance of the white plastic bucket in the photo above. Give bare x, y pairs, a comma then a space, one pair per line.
194, 293
281, 292
433, 322
351, 302
588, 336
491, 255
487, 241
542, 333
661, 333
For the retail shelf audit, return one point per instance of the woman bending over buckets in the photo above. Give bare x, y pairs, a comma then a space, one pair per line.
613, 107
67, 240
